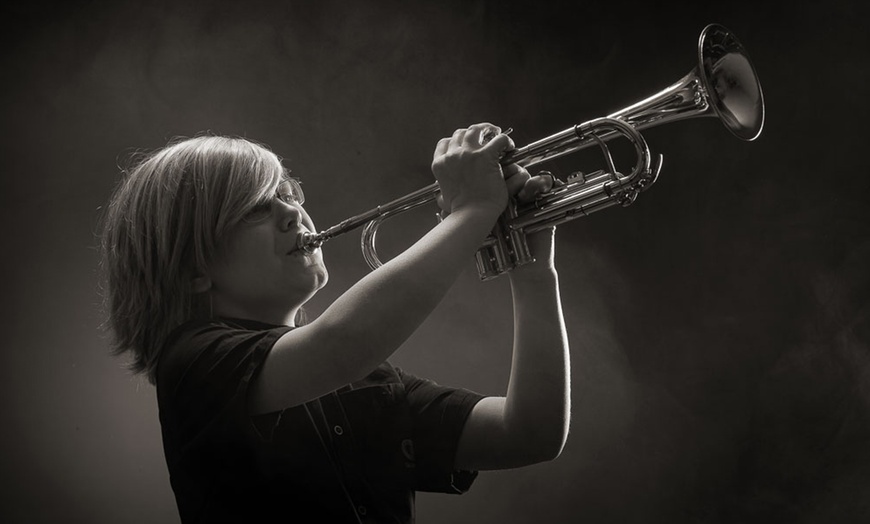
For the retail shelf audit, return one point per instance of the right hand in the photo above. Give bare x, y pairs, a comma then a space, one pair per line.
468, 170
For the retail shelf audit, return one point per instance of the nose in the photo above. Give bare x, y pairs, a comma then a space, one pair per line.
289, 215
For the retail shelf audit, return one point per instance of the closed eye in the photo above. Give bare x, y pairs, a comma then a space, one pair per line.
258, 213
289, 191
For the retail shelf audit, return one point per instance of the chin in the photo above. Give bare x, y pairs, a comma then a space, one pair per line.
323, 278
321, 274
319, 278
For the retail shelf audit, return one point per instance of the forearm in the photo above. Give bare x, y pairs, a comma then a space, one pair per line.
537, 404
382, 310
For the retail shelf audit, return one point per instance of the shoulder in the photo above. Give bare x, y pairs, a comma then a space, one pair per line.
209, 345
218, 332
209, 328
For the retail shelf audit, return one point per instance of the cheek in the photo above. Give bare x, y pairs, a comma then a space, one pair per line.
245, 252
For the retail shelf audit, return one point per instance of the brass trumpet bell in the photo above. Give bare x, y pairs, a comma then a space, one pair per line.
730, 82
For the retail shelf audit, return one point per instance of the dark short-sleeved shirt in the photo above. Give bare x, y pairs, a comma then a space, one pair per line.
357, 454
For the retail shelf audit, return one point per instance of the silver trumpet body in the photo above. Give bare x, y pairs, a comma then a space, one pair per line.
722, 85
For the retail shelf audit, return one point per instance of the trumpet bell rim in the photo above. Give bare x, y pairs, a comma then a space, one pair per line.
730, 81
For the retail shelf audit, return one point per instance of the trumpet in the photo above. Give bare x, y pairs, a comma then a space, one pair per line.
723, 85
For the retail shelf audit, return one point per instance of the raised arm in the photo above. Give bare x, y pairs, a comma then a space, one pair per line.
530, 424
374, 317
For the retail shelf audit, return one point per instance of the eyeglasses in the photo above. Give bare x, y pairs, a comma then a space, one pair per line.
288, 191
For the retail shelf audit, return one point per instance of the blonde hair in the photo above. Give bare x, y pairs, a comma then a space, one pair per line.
163, 225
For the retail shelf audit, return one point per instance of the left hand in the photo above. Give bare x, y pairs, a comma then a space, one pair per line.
526, 188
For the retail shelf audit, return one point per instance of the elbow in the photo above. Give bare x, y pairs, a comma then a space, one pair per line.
541, 435
557, 448
550, 433
538, 452
551, 448
545, 443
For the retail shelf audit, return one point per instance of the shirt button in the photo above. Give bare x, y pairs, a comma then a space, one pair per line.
361, 510
338, 430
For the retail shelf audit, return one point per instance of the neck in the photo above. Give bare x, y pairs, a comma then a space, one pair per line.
281, 317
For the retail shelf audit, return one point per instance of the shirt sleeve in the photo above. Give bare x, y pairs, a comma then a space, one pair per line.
439, 414
204, 378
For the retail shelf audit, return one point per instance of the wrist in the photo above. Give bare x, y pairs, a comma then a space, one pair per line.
489, 211
535, 272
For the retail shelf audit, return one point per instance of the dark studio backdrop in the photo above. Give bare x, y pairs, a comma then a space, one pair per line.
719, 326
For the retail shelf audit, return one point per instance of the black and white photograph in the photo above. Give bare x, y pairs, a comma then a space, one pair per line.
467, 262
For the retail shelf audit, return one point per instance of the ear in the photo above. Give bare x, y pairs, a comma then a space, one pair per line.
200, 284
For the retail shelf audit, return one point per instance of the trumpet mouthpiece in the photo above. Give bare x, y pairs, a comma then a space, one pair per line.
308, 242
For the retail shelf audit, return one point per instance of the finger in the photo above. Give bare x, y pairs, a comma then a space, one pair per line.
457, 139
441, 147
500, 144
517, 182
479, 134
549, 182
439, 199
490, 134
534, 186
554, 182
511, 170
